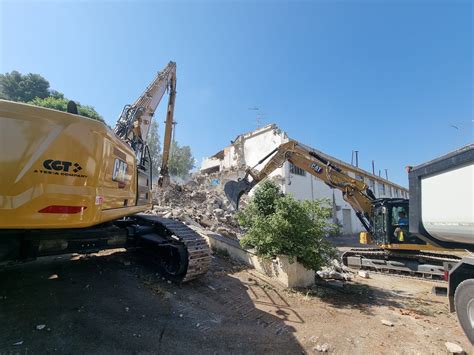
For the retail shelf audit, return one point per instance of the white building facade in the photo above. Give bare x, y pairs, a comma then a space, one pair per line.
249, 148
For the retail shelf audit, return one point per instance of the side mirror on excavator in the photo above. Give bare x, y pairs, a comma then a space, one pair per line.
235, 189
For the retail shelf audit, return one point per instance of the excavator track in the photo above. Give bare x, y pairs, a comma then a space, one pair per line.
426, 265
198, 257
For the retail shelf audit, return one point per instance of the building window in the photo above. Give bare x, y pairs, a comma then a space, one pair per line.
372, 185
396, 192
359, 177
297, 171
381, 189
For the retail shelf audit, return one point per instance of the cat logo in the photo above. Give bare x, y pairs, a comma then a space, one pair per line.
317, 168
120, 171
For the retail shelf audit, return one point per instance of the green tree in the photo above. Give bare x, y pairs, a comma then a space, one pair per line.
277, 224
56, 94
34, 89
59, 103
17, 87
181, 160
154, 144
89, 111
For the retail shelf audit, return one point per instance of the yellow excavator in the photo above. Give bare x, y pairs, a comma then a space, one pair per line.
385, 219
70, 184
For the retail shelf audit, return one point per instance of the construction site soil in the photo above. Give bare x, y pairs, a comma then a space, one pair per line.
114, 302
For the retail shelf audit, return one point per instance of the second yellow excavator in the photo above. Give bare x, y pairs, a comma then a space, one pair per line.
385, 219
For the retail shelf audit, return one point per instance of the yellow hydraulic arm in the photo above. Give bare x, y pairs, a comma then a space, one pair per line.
355, 192
134, 123
164, 174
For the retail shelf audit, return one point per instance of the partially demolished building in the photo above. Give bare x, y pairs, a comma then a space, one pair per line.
247, 149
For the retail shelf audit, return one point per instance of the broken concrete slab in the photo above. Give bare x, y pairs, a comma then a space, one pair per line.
322, 348
453, 348
387, 323
336, 271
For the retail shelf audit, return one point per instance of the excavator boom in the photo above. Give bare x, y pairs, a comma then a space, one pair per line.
355, 192
135, 120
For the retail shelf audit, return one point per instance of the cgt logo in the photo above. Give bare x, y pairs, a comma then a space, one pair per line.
59, 165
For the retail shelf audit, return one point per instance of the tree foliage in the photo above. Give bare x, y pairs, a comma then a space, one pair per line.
34, 89
181, 160
277, 224
58, 102
154, 145
17, 87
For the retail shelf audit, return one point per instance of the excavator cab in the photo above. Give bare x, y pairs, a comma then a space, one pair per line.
390, 223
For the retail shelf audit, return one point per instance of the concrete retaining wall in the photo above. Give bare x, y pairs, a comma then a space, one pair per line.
288, 274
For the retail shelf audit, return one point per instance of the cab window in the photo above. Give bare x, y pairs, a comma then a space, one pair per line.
399, 216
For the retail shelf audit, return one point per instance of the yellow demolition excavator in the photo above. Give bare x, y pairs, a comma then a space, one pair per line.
385, 219
70, 184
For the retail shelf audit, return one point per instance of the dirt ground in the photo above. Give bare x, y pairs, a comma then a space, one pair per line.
114, 303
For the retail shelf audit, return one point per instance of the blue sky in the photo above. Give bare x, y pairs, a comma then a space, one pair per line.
387, 78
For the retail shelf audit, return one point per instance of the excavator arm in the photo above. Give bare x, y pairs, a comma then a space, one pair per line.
355, 192
164, 174
135, 120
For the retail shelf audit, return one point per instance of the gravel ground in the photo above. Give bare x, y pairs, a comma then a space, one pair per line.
113, 302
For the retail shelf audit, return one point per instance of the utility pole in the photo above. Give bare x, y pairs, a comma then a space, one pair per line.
373, 167
258, 117
386, 174
174, 129
356, 153
173, 137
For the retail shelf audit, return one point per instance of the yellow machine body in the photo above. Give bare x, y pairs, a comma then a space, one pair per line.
364, 238
61, 170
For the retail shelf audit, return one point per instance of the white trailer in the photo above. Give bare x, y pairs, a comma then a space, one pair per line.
442, 213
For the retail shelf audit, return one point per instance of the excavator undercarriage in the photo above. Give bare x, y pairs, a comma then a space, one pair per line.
178, 251
421, 264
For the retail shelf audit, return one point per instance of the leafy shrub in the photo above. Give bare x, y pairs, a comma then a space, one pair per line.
60, 104
335, 230
277, 224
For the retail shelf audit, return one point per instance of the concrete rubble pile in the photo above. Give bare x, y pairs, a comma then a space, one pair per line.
336, 271
200, 202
